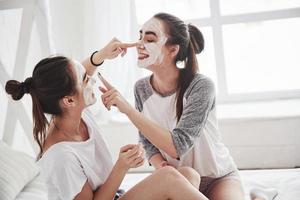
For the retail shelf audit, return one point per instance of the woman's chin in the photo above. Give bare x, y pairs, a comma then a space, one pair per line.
92, 100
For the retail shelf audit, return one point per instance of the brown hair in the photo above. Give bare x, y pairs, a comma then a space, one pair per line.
191, 42
51, 80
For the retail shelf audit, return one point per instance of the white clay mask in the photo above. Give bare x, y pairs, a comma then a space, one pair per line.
152, 49
87, 90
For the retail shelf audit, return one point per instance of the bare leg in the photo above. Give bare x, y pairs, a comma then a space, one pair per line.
165, 183
227, 189
191, 175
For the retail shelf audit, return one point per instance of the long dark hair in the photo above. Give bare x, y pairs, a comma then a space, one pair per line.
51, 80
191, 42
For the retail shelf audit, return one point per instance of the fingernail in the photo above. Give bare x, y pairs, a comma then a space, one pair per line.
99, 75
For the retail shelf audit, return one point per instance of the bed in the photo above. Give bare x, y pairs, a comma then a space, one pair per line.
286, 181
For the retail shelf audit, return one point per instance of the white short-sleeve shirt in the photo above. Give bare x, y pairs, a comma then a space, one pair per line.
66, 166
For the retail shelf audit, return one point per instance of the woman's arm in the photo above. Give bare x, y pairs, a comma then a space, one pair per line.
157, 135
200, 101
110, 51
131, 156
98, 57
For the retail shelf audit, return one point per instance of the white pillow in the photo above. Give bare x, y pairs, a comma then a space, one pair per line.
35, 190
16, 170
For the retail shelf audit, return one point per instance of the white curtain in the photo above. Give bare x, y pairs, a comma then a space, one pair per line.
103, 21
75, 28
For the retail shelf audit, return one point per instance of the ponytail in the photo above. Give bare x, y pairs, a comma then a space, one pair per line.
187, 74
40, 123
17, 90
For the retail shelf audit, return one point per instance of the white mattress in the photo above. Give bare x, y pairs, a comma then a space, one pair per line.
286, 181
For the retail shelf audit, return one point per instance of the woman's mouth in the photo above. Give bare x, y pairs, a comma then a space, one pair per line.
142, 56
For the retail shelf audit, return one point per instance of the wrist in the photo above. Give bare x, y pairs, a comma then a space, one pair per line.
130, 111
101, 55
121, 167
97, 58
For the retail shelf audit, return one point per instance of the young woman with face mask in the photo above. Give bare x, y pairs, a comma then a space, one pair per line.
74, 158
176, 109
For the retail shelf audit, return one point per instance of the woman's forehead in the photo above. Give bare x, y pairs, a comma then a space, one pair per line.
153, 25
78, 69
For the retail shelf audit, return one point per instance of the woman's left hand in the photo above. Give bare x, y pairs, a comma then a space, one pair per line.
112, 97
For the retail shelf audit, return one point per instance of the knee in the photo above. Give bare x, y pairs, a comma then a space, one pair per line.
170, 172
190, 174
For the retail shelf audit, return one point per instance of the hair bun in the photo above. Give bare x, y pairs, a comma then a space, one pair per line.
196, 38
17, 89
27, 85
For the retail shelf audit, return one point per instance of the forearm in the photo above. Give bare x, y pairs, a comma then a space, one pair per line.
112, 184
158, 136
97, 58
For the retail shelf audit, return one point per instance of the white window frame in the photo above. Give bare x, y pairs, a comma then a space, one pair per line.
216, 21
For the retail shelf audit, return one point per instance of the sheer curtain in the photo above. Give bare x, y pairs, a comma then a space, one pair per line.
103, 21
31, 31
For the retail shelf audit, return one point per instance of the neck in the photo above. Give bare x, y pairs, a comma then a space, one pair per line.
165, 79
68, 123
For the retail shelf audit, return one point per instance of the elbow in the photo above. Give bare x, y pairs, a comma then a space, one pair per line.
173, 153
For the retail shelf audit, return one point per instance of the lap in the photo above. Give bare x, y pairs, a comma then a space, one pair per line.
226, 189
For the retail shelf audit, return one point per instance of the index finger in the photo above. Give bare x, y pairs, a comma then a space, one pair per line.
128, 45
105, 82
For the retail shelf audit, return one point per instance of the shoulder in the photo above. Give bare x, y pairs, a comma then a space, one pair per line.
142, 89
58, 155
201, 85
142, 83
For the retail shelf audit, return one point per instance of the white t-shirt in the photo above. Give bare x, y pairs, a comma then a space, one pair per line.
66, 166
196, 137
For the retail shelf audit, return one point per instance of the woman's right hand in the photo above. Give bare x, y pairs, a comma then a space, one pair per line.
131, 156
114, 48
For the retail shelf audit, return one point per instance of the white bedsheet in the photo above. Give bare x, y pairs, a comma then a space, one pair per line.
286, 181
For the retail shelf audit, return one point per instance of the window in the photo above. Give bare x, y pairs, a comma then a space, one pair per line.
252, 67
251, 48
230, 7
184, 9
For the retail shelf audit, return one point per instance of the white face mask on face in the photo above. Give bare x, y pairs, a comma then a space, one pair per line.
88, 94
153, 49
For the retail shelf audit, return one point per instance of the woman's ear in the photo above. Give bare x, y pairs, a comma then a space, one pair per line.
173, 50
68, 101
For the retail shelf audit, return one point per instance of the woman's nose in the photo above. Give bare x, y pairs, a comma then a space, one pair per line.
140, 45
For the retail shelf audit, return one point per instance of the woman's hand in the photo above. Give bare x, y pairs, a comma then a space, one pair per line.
112, 97
131, 156
114, 48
